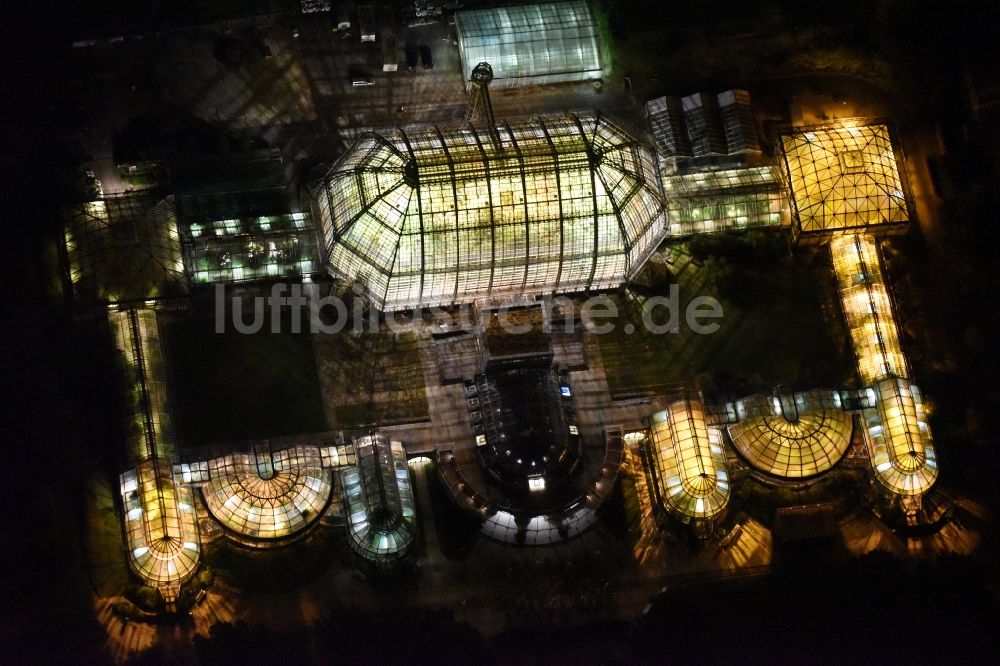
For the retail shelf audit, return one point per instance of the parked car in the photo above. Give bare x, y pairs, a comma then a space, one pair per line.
360, 77
425, 57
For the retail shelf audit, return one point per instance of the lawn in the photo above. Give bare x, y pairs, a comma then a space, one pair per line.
780, 325
231, 386
371, 378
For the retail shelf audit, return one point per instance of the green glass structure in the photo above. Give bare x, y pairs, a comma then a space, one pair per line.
530, 44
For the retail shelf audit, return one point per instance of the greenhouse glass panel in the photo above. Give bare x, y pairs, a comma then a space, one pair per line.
896, 430
267, 498
530, 44
867, 307
899, 439
379, 497
160, 519
124, 248
251, 248
729, 200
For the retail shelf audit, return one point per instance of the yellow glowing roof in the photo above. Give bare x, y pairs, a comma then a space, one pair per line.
899, 439
691, 473
286, 502
813, 442
137, 338
867, 307
292, 497
160, 521
843, 177
160, 527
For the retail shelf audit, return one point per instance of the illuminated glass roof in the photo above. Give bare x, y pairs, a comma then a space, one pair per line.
843, 177
691, 476
530, 44
902, 449
703, 126
149, 434
867, 307
250, 248
124, 248
434, 217
263, 498
793, 436
160, 527
379, 498
711, 201
899, 439
160, 520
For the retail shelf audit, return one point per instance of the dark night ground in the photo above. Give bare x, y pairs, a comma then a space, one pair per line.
780, 325
873, 610
237, 387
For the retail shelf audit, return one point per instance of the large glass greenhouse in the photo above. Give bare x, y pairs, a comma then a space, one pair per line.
844, 177
432, 217
896, 430
530, 44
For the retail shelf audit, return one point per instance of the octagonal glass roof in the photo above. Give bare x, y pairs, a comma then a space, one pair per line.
435, 217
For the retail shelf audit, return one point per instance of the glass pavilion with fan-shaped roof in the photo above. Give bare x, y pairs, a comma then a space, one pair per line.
795, 436
265, 498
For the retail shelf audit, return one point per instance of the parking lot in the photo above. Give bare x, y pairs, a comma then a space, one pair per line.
289, 80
